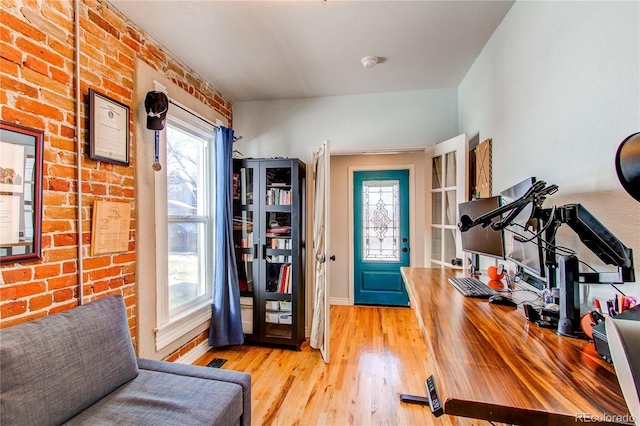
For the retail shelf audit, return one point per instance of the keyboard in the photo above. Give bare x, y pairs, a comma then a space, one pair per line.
472, 287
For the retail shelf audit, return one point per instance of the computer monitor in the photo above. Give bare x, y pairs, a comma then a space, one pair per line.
528, 255
482, 240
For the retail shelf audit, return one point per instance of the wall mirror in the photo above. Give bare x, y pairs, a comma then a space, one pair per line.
20, 193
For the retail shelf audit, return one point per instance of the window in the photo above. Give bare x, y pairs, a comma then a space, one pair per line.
185, 239
188, 216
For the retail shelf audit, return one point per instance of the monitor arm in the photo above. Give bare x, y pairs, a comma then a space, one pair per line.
591, 232
536, 194
604, 245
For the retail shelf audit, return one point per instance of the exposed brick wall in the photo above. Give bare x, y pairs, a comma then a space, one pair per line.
37, 90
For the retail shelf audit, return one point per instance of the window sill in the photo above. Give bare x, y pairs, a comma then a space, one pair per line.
179, 326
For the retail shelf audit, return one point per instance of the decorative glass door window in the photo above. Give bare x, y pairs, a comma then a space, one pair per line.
381, 220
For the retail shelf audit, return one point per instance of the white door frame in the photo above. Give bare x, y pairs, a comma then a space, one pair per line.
412, 214
459, 144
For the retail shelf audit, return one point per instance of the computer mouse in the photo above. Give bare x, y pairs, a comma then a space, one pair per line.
499, 299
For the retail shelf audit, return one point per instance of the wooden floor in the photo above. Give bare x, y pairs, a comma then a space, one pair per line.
376, 354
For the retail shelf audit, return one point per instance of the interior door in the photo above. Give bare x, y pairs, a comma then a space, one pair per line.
448, 187
320, 337
381, 236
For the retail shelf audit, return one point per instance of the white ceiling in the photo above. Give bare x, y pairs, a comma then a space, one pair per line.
264, 50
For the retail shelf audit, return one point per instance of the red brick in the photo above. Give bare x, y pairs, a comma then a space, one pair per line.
59, 185
65, 50
53, 198
19, 117
45, 241
21, 26
116, 283
131, 43
124, 258
104, 273
60, 240
62, 171
59, 75
102, 23
62, 282
40, 52
54, 255
44, 110
62, 295
64, 103
13, 308
40, 302
8, 68
100, 286
36, 65
60, 212
60, 17
12, 276
98, 189
22, 290
69, 267
63, 143
63, 308
5, 35
46, 271
156, 52
96, 262
40, 80
19, 87
68, 132
56, 226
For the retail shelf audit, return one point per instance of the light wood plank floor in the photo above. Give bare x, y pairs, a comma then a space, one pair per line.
377, 353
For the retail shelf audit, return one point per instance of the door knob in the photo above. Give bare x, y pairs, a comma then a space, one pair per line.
333, 257
405, 239
404, 249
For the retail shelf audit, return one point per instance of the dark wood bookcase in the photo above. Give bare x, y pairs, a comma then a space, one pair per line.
269, 236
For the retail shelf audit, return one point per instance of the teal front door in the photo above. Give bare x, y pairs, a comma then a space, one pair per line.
381, 232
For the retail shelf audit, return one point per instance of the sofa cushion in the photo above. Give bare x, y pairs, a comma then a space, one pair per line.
157, 398
57, 366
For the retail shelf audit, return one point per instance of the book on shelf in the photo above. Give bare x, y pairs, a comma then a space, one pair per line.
247, 242
278, 197
284, 280
278, 231
236, 186
281, 243
243, 186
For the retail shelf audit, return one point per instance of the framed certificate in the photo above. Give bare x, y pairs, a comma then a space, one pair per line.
109, 129
20, 193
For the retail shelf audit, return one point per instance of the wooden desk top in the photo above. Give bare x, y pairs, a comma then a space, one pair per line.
490, 363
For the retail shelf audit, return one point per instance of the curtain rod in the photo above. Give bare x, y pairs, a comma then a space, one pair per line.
195, 114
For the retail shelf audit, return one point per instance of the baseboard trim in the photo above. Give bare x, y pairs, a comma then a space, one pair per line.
343, 301
193, 355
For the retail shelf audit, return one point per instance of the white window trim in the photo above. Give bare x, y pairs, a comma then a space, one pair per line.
170, 328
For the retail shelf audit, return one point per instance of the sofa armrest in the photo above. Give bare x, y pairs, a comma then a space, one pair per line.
237, 377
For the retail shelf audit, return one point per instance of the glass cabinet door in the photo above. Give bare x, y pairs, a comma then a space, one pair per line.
243, 226
278, 253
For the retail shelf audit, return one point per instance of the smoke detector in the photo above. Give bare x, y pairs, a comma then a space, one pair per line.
369, 61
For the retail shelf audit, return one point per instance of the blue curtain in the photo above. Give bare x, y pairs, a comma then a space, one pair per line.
226, 323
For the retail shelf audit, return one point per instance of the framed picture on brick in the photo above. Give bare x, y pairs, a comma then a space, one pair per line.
20, 192
109, 129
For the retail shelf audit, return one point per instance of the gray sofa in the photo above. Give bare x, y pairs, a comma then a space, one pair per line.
78, 367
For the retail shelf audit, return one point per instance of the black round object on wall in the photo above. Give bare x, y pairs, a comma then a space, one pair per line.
628, 165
